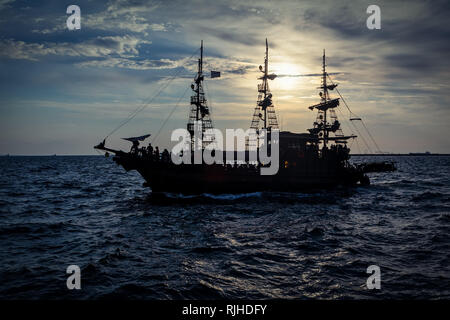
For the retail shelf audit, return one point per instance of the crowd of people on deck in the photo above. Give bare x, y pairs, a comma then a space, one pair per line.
153, 154
337, 150
149, 153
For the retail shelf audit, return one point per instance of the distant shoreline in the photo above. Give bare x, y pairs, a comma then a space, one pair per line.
352, 154
400, 154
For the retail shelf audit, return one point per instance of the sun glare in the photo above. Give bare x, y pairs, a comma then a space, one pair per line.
287, 75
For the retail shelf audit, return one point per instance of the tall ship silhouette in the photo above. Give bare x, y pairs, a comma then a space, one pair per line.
308, 161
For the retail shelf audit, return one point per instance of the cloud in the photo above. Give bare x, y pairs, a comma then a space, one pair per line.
386, 75
236, 35
117, 16
111, 62
131, 16
106, 21
227, 67
413, 62
123, 46
5, 3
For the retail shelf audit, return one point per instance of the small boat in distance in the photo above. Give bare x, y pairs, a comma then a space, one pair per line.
427, 153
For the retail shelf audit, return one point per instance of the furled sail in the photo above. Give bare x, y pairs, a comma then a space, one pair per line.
326, 105
331, 86
271, 76
266, 102
140, 138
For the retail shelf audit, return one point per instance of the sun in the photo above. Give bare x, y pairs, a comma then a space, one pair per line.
287, 75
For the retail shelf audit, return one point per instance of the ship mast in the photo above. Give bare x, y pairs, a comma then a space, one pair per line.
326, 113
199, 80
264, 102
266, 65
324, 98
199, 108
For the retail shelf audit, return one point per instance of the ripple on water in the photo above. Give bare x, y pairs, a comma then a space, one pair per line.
130, 243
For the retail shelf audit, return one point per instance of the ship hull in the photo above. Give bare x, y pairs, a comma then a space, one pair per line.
217, 179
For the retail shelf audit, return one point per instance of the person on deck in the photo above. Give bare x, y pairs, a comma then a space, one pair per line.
157, 154
135, 147
165, 156
150, 151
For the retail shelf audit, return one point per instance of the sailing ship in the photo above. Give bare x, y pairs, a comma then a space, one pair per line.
309, 161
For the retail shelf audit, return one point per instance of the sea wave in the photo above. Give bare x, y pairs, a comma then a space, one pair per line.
131, 243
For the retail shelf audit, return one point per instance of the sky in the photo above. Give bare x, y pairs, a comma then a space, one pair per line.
63, 91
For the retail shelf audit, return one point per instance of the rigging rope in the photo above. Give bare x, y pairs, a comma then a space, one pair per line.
208, 94
359, 118
150, 99
357, 145
170, 114
209, 98
368, 132
357, 131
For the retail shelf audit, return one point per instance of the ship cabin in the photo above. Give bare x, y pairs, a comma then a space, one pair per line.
295, 146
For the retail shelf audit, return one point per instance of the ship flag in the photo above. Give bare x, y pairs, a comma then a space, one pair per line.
215, 74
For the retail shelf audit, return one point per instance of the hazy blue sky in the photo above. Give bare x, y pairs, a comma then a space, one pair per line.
62, 91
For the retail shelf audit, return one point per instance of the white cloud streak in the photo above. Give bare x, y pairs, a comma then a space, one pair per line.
123, 46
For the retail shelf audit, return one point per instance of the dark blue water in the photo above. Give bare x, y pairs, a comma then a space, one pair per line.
58, 211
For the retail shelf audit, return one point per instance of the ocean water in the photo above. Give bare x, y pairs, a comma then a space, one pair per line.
64, 210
